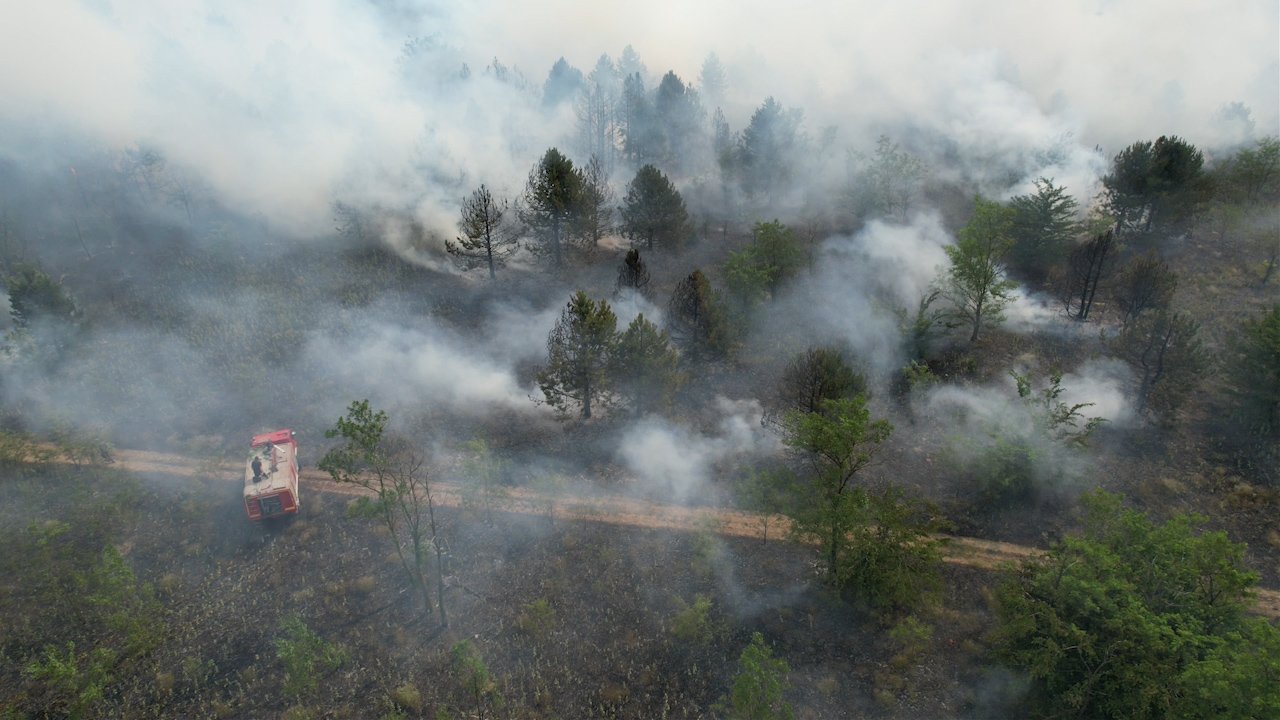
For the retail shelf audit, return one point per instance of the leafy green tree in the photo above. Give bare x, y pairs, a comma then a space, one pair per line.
653, 213
759, 270
1164, 348
976, 282
1255, 372
758, 686
767, 492
887, 184
696, 320
579, 349
394, 474
838, 442
35, 297
692, 623
644, 367
893, 562
1017, 465
1057, 419
1130, 619
1238, 677
472, 670
1252, 176
487, 235
552, 199
1044, 225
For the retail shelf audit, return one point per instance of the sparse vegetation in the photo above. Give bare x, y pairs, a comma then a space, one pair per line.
769, 424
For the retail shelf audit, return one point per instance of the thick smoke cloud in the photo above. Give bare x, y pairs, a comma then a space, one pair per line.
861, 290
283, 107
675, 463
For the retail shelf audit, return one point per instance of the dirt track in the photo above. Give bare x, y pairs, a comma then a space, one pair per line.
619, 510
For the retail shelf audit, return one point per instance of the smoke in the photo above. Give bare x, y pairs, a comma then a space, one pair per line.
992, 429
390, 363
281, 108
860, 290
676, 464
1031, 311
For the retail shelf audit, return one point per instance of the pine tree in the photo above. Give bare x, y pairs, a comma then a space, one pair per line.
579, 350
645, 370
653, 213
695, 319
551, 202
487, 235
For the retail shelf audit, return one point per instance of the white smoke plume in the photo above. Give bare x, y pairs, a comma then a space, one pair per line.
859, 288
676, 463
281, 108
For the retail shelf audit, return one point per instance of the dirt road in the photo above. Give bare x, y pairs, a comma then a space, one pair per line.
619, 510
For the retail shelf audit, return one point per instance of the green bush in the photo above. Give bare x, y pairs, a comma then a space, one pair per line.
537, 619
692, 623
75, 681
305, 656
472, 671
757, 689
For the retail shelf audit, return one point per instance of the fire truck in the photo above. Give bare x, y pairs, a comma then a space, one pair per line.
271, 476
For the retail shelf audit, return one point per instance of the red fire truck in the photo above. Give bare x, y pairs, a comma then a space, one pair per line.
271, 476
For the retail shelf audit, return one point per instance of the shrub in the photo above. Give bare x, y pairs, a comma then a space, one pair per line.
305, 656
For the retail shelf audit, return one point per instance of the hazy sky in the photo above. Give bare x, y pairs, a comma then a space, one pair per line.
281, 105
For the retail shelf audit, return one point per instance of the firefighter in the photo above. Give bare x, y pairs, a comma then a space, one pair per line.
257, 468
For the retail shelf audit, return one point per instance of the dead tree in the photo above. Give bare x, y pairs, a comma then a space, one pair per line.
1086, 266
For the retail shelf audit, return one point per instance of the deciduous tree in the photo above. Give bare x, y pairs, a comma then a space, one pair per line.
758, 686
887, 183
758, 271
1128, 619
837, 442
976, 283
396, 476
1255, 372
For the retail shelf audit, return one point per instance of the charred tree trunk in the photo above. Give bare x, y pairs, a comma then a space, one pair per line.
1087, 265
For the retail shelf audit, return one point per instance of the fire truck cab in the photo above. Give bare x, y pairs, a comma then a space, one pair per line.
271, 476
